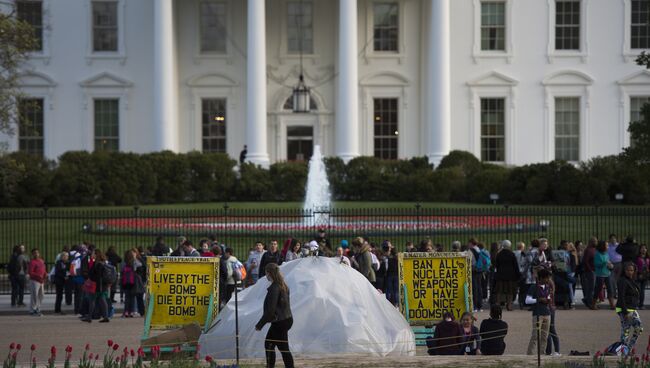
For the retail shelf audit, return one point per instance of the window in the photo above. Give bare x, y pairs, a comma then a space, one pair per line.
636, 104
493, 26
213, 27
385, 128
386, 26
300, 26
567, 128
107, 123
567, 25
30, 129
31, 12
640, 27
104, 24
493, 122
213, 124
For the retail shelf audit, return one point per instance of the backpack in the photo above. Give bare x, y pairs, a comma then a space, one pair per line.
13, 267
238, 271
483, 261
616, 349
559, 260
128, 276
109, 274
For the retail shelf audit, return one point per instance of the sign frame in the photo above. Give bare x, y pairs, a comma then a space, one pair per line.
465, 288
155, 263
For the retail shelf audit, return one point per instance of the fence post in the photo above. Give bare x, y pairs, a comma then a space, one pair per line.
136, 210
46, 251
508, 235
597, 209
225, 225
417, 222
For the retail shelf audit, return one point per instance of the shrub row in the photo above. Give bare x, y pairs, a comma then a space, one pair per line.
89, 179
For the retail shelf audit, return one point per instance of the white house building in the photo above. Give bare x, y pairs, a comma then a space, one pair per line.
512, 81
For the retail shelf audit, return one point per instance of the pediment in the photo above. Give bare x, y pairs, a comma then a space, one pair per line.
642, 77
106, 79
493, 79
211, 80
36, 79
568, 78
384, 79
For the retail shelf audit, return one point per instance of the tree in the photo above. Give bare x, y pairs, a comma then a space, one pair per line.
16, 41
640, 130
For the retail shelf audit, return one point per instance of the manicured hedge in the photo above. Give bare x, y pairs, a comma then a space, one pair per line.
89, 179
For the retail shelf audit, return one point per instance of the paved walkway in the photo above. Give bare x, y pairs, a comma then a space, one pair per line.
580, 329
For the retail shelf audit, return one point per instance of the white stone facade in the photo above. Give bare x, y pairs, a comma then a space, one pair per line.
438, 73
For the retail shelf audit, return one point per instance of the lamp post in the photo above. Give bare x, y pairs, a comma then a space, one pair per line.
301, 91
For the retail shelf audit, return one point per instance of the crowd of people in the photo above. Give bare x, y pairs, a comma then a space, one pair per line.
535, 277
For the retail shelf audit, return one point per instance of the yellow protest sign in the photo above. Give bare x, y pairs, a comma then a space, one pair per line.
180, 289
432, 283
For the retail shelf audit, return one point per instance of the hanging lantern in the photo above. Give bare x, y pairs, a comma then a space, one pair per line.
301, 97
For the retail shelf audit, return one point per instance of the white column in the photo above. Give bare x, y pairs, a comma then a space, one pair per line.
256, 85
438, 82
347, 103
165, 114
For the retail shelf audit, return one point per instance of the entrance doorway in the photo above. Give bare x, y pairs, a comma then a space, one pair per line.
300, 143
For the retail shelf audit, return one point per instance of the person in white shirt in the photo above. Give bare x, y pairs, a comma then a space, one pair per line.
254, 260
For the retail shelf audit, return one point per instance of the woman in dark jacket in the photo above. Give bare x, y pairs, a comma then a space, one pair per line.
113, 258
60, 278
277, 311
96, 274
493, 332
626, 304
507, 275
447, 338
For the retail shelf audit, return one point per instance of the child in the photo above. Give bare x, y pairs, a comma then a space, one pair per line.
539, 297
471, 338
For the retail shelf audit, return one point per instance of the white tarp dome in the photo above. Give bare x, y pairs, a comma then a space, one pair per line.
335, 311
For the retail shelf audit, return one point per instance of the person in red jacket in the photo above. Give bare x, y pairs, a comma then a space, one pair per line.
37, 276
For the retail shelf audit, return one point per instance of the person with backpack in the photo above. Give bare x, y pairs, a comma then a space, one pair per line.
76, 278
127, 283
114, 260
98, 274
480, 265
231, 262
17, 268
643, 269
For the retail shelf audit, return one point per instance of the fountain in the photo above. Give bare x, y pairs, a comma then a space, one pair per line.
317, 197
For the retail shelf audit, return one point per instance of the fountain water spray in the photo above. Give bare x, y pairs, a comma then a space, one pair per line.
318, 197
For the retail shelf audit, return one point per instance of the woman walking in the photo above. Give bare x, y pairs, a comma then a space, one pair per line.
628, 300
277, 311
96, 274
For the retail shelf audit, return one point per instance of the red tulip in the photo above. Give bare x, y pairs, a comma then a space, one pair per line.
87, 347
132, 352
110, 343
14, 355
33, 347
126, 350
12, 346
597, 355
117, 360
53, 351
140, 352
18, 346
34, 360
68, 349
90, 356
208, 359
115, 347
636, 359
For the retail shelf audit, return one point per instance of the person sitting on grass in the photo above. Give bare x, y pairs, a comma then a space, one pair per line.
447, 338
493, 332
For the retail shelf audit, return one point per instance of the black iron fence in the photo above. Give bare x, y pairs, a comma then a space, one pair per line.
51, 229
